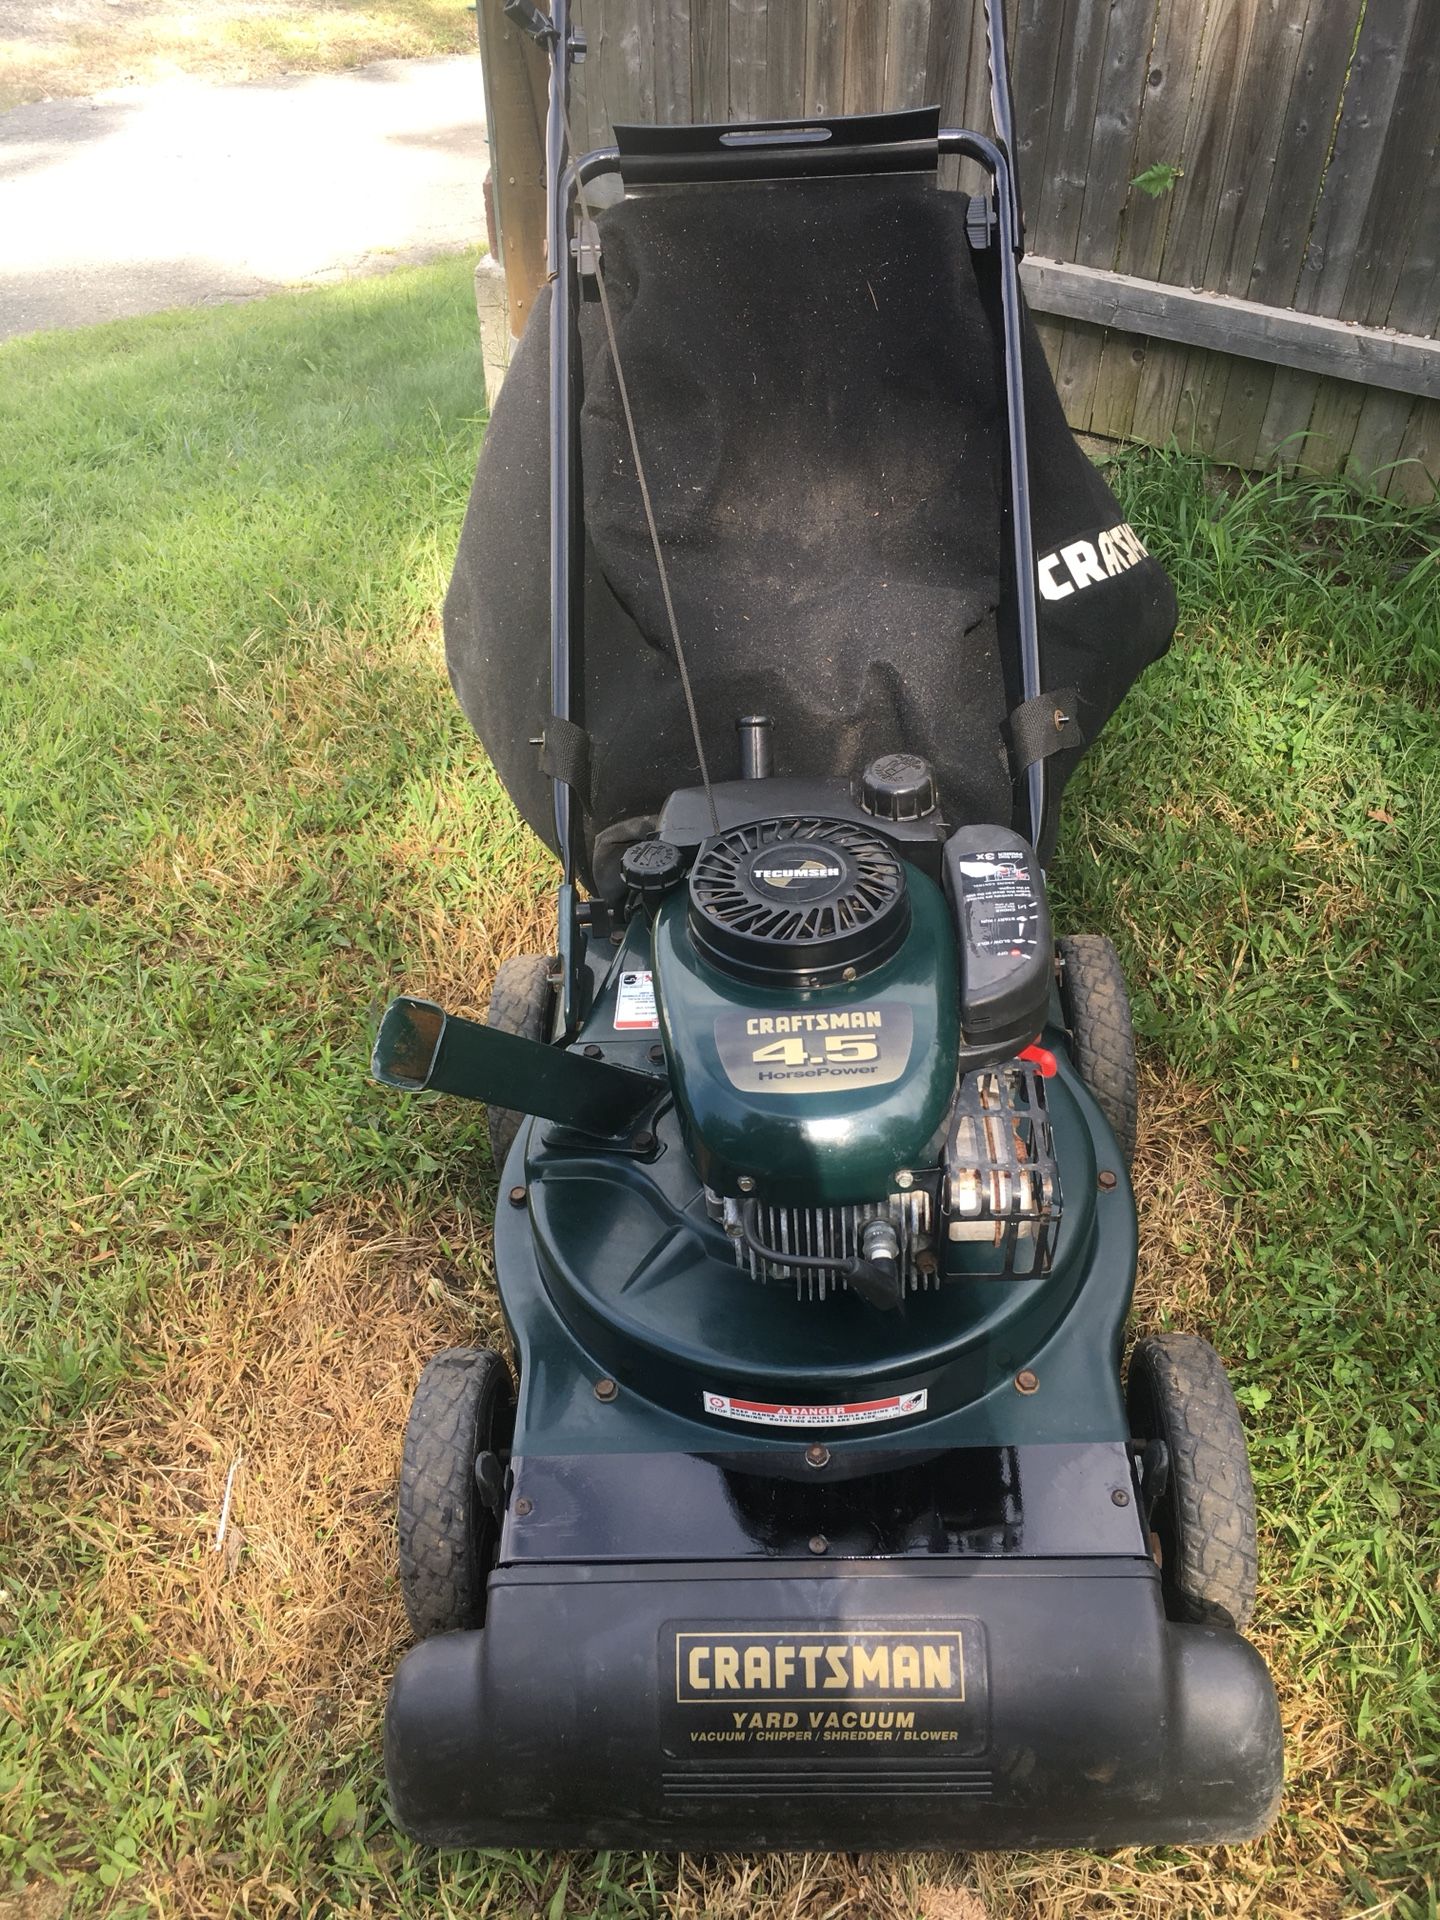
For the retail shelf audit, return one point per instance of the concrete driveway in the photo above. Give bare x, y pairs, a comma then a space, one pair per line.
188, 193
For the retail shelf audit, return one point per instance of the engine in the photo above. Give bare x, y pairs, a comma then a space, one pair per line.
843, 1035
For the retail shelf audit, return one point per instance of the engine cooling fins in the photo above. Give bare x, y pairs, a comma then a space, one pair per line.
800, 901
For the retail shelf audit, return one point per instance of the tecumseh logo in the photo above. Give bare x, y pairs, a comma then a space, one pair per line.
820, 1668
811, 869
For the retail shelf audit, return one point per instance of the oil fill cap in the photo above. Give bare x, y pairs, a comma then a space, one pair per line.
651, 867
898, 786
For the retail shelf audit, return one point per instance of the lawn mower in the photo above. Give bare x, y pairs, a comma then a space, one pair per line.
815, 1512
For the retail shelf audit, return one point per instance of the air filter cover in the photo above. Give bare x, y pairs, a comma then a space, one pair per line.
801, 900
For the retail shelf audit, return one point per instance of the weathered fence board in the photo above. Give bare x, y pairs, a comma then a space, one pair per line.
1278, 335
1304, 139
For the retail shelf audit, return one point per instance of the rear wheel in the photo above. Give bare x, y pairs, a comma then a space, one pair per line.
463, 1408
1097, 1014
1204, 1519
521, 1002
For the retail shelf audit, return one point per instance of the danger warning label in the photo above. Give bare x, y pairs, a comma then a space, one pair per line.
851, 1413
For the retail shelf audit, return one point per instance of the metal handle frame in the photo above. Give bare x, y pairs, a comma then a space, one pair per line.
564, 177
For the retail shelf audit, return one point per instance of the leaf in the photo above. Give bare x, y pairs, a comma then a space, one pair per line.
1385, 1498
557, 1905
1158, 178
341, 1814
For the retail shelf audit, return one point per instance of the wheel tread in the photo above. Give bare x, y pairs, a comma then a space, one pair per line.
520, 1004
1097, 1008
442, 1574
1181, 1378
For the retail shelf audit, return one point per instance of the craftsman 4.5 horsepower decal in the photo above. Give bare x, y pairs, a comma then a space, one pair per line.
810, 1051
812, 1688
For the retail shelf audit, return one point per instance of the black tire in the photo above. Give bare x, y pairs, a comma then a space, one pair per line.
521, 1002
1097, 1014
1205, 1519
463, 1406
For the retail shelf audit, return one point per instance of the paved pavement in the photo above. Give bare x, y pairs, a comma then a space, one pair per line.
188, 193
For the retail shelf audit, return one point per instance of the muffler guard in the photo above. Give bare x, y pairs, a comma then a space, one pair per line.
872, 1705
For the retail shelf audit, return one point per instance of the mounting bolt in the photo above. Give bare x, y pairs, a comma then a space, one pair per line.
644, 1142
1027, 1382
1108, 1180
745, 1183
657, 1054
1119, 1497
523, 1506
592, 1052
606, 1389
848, 974
517, 1196
904, 1178
819, 1544
817, 1456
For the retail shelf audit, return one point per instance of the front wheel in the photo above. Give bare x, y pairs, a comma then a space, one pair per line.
1204, 1519
448, 1535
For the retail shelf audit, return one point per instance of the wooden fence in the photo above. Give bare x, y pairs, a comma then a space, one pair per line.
1302, 231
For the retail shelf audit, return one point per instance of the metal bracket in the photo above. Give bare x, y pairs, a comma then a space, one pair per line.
980, 222
490, 1485
1154, 1476
540, 27
586, 248
543, 30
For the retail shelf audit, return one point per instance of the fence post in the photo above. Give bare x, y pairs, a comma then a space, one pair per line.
516, 79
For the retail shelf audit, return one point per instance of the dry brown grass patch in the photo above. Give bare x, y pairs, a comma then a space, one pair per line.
1186, 1232
305, 1368
303, 1372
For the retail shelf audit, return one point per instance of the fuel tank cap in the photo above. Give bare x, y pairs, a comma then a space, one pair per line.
898, 786
798, 900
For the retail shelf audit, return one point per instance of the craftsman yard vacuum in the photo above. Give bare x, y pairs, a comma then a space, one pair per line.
818, 1516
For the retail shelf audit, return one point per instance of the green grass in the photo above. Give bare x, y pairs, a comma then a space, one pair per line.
238, 805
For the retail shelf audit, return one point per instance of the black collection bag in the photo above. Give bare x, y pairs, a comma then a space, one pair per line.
816, 378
